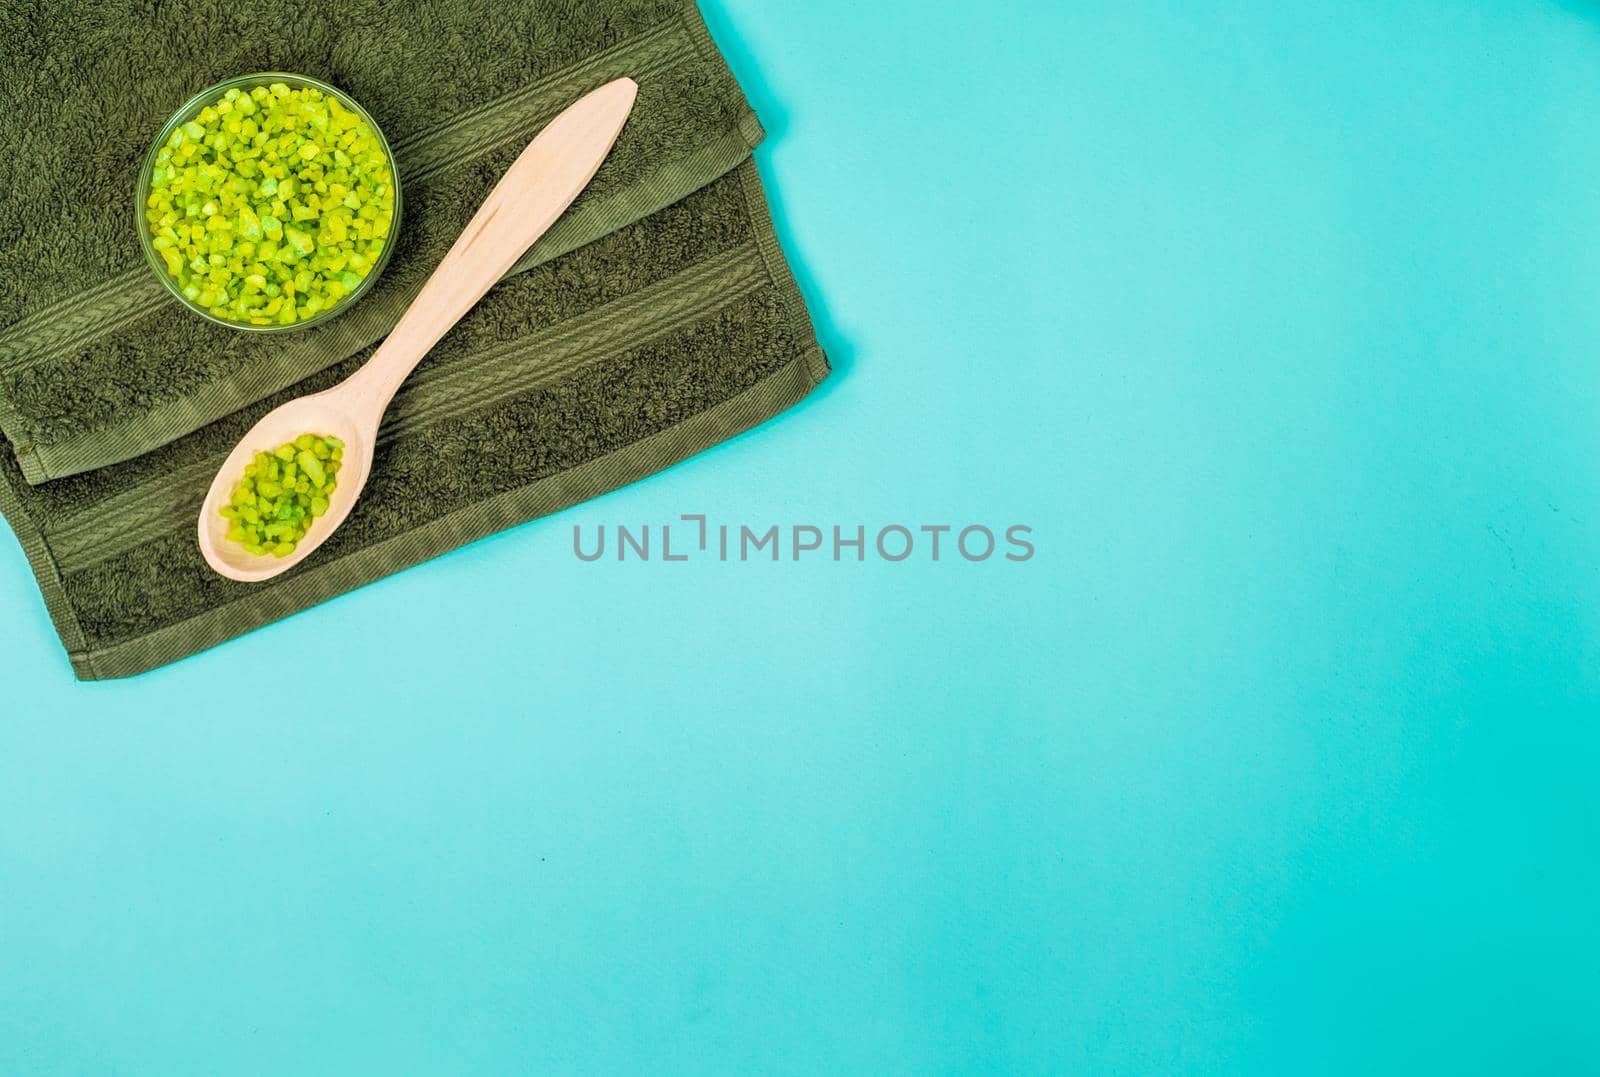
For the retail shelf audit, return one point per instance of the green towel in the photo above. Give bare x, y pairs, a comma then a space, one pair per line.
656, 319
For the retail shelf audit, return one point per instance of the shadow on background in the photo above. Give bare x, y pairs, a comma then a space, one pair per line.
1587, 9
775, 119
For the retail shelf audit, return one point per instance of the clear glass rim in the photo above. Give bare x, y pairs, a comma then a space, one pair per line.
190, 109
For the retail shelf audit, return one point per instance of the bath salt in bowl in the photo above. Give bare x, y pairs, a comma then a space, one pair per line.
268, 202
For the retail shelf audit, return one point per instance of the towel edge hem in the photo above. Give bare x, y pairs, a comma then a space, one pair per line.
47, 573
766, 399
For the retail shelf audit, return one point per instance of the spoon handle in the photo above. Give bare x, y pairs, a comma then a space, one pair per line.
536, 189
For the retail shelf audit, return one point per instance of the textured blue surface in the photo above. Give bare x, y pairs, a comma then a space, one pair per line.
1278, 323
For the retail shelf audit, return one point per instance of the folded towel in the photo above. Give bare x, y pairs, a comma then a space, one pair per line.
655, 319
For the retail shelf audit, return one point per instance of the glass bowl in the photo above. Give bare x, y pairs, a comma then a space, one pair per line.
190, 109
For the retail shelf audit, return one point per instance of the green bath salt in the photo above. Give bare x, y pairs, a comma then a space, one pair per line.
271, 205
281, 493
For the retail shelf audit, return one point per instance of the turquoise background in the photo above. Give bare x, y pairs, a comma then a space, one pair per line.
1278, 323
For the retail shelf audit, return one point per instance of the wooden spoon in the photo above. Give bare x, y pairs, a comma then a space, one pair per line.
536, 189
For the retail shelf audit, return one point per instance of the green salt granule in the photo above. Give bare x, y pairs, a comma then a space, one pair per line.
271, 205
281, 492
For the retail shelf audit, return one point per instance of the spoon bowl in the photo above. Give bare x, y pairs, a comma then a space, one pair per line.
325, 414
536, 189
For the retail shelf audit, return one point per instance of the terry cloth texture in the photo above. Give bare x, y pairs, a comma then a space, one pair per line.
657, 318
